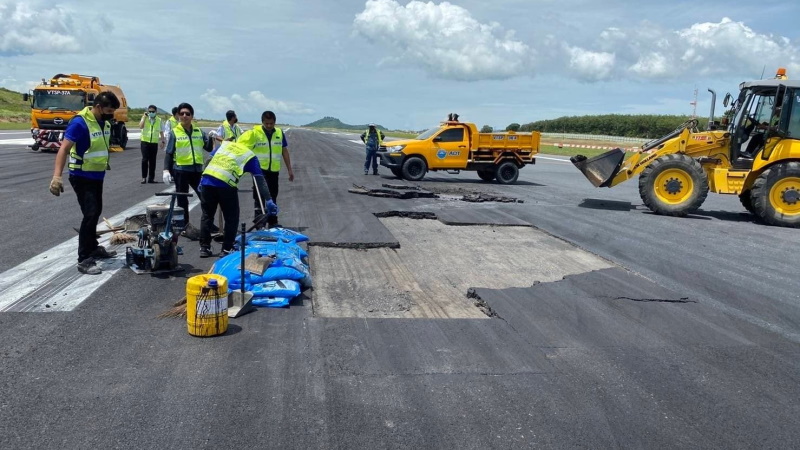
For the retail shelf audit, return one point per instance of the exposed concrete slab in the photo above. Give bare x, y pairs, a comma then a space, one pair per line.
429, 275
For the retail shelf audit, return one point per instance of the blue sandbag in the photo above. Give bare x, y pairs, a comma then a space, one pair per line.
271, 302
229, 267
274, 247
277, 288
274, 235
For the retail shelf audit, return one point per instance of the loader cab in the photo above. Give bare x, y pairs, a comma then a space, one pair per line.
759, 115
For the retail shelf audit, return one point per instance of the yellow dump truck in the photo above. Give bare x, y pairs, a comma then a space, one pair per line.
55, 102
458, 146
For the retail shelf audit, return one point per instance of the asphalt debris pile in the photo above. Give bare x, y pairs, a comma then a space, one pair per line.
404, 193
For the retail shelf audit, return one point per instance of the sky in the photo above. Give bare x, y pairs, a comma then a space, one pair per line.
405, 64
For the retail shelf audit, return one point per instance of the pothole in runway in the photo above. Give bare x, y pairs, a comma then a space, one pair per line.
429, 274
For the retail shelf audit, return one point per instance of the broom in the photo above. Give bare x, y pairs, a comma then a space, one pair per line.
178, 309
119, 237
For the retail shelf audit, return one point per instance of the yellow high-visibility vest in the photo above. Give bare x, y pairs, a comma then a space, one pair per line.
95, 159
269, 152
228, 163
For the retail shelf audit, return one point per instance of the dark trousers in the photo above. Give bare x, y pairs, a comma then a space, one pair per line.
372, 156
183, 181
149, 152
90, 197
272, 183
227, 199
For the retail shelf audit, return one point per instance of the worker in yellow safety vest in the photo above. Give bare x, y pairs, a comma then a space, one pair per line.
184, 155
152, 141
269, 145
373, 139
220, 188
229, 130
86, 142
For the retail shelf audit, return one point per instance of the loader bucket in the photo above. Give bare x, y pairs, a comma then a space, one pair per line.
601, 169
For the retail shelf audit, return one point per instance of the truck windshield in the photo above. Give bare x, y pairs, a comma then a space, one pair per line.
58, 100
426, 134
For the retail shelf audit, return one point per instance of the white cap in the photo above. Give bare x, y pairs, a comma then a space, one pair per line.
372, 124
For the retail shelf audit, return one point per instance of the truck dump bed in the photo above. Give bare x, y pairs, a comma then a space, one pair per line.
492, 145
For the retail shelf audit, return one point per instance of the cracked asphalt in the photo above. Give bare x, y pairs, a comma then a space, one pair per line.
688, 338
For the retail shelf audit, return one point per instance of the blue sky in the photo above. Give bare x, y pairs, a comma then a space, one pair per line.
403, 64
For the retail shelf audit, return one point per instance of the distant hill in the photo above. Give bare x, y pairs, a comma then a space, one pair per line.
12, 107
333, 122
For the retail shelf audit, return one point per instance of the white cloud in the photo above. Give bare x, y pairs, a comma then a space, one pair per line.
18, 86
443, 39
447, 42
703, 49
254, 102
35, 27
591, 66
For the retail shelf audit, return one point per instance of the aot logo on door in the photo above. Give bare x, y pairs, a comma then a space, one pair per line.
441, 154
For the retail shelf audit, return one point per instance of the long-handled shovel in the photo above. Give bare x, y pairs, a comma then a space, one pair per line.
241, 302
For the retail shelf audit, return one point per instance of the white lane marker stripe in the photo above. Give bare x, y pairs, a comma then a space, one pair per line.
29, 140
553, 159
51, 278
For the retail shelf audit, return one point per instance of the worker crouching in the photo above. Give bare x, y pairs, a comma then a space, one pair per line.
219, 186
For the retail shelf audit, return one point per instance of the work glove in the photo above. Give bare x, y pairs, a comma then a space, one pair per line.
272, 208
56, 187
166, 177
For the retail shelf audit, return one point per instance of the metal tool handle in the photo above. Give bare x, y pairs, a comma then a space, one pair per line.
178, 194
244, 226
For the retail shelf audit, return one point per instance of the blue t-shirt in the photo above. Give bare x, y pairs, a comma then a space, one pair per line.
78, 132
252, 166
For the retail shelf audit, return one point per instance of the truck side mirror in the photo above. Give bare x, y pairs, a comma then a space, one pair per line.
437, 139
25, 97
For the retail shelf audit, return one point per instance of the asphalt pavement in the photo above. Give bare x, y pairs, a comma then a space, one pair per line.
690, 340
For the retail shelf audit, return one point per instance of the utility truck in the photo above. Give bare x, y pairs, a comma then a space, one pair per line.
458, 146
55, 102
755, 156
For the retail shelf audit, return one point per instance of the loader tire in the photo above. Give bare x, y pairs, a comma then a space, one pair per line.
507, 173
486, 175
776, 195
673, 185
747, 201
397, 172
414, 168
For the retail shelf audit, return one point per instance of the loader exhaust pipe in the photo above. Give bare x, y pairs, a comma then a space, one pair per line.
711, 125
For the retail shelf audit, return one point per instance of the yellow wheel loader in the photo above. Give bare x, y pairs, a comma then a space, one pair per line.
756, 156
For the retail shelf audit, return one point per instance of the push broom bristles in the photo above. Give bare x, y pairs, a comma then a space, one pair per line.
121, 238
178, 310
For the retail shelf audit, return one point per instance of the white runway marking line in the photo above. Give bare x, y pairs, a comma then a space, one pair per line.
51, 277
553, 159
29, 140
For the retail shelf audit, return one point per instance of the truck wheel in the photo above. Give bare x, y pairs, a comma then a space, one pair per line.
776, 195
507, 173
486, 175
398, 173
35, 147
673, 185
414, 168
123, 136
747, 201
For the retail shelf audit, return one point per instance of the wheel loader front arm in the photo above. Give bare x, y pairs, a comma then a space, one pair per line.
634, 165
